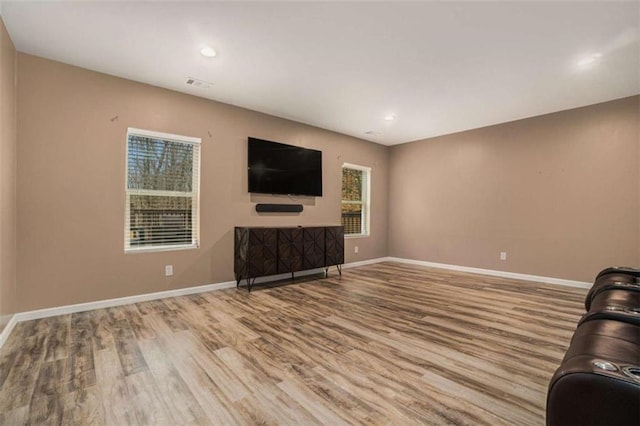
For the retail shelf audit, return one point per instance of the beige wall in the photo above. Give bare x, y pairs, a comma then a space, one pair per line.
8, 140
72, 125
559, 193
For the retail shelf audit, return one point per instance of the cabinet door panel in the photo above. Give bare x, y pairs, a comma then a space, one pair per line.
262, 253
240, 248
313, 248
290, 249
334, 240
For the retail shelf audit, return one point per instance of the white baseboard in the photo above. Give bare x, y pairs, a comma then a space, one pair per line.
8, 328
81, 307
504, 274
108, 303
100, 304
364, 262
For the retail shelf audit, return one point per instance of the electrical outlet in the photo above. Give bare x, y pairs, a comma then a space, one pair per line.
168, 270
503, 255
355, 249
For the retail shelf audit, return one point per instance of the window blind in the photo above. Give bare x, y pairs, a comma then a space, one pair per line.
162, 191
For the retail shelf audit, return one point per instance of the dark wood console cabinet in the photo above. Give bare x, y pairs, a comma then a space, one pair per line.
267, 251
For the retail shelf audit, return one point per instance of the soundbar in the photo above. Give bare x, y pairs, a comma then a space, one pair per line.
279, 208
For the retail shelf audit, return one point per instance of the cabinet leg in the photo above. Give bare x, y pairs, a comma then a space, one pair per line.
326, 271
250, 283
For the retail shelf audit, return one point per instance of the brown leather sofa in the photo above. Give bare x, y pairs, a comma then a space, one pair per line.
598, 381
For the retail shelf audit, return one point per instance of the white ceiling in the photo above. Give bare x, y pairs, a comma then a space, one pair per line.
438, 67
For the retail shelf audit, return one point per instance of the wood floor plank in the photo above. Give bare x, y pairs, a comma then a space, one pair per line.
107, 364
7, 361
46, 410
325, 414
102, 329
58, 342
147, 401
52, 378
18, 387
500, 408
81, 367
86, 406
127, 348
138, 323
120, 409
210, 397
443, 407
176, 395
17, 416
387, 343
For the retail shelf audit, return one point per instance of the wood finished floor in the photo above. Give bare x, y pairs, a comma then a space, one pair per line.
387, 344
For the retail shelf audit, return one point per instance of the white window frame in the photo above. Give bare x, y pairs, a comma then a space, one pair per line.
365, 202
194, 194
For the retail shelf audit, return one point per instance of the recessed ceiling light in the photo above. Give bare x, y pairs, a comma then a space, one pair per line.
588, 60
389, 117
208, 52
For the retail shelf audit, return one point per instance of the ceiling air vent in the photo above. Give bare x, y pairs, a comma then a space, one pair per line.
198, 83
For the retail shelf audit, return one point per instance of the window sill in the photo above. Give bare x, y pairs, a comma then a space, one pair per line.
152, 249
350, 236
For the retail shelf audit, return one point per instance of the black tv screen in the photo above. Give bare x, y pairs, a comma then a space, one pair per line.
277, 168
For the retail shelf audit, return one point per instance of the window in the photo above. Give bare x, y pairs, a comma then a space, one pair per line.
162, 191
356, 192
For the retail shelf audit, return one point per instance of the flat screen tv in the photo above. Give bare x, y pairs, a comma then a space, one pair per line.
277, 168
